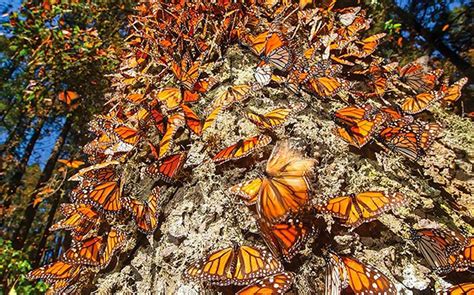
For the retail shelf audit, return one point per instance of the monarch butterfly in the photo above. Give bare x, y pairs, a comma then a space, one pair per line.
58, 270
102, 171
414, 76
461, 289
127, 134
232, 94
352, 114
288, 237
176, 121
205, 84
394, 115
452, 93
104, 196
276, 53
420, 102
347, 15
71, 163
192, 120
115, 240
187, 76
369, 45
248, 190
327, 86
465, 258
285, 188
361, 278
211, 118
68, 96
241, 148
276, 284
356, 209
86, 252
171, 97
145, 213
102, 147
81, 219
436, 245
263, 74
257, 43
362, 131
136, 98
273, 118
62, 287
160, 120
236, 265
117, 131
336, 275
168, 167
296, 77
410, 139
360, 23
378, 75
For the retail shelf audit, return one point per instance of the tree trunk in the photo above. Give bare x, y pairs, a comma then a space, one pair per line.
434, 41
15, 180
15, 135
30, 212
56, 199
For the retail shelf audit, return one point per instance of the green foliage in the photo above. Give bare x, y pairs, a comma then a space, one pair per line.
14, 266
392, 27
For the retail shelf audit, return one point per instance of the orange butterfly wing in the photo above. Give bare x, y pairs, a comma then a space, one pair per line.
360, 208
286, 238
241, 149
85, 253
463, 260
145, 214
127, 134
461, 289
215, 268
171, 98
192, 120
115, 240
286, 188
68, 96
175, 122
275, 284
102, 195
420, 102
367, 280
58, 270
452, 93
168, 167
248, 190
252, 263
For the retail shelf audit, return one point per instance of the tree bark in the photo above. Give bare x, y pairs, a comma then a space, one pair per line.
44, 237
15, 135
433, 40
22, 232
19, 170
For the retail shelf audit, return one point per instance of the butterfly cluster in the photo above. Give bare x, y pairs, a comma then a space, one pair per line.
170, 95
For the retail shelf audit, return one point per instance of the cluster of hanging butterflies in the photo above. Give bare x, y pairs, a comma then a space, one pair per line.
287, 219
398, 132
169, 95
